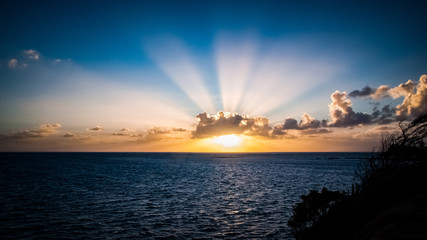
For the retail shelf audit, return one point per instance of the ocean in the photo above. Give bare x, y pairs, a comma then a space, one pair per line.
161, 195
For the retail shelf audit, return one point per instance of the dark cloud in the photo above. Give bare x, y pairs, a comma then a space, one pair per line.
308, 125
414, 103
384, 116
342, 114
290, 123
306, 122
96, 129
384, 91
278, 130
366, 91
224, 123
123, 132
68, 135
313, 131
179, 130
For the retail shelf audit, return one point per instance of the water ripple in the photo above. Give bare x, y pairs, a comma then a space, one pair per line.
160, 196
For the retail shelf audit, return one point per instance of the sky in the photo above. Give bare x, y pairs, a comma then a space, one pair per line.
209, 76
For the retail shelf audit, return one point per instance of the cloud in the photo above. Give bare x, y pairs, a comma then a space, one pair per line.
383, 116
158, 130
158, 133
278, 130
306, 122
13, 63
342, 114
313, 131
32, 54
50, 127
43, 131
381, 92
414, 104
123, 132
179, 130
366, 91
308, 125
68, 134
96, 129
384, 91
340, 110
224, 123
377, 131
404, 89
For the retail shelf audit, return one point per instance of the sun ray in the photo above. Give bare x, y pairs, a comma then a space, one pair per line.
234, 61
174, 60
279, 78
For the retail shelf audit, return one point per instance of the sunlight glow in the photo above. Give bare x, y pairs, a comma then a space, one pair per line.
259, 81
234, 64
174, 60
228, 141
281, 77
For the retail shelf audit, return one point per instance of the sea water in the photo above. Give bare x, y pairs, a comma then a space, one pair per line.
161, 195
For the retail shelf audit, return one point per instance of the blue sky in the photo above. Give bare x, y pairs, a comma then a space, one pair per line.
133, 64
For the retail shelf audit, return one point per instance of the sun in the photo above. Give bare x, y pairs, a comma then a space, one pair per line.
228, 141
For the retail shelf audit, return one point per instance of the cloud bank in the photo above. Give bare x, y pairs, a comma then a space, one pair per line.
341, 114
415, 97
42, 131
224, 123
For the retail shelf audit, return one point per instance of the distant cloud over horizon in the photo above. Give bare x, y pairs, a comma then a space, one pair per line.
13, 63
68, 134
42, 131
32, 54
96, 129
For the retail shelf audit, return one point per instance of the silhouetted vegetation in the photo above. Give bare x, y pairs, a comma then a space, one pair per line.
313, 209
389, 200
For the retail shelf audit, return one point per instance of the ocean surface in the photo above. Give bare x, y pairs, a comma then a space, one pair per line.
161, 195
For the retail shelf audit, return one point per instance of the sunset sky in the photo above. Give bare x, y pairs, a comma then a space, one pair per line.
208, 76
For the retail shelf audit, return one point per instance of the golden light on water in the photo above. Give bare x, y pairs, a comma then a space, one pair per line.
228, 141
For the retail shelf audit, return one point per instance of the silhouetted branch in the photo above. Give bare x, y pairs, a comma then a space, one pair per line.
399, 149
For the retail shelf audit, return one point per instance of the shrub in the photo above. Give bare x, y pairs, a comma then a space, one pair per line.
313, 208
